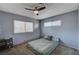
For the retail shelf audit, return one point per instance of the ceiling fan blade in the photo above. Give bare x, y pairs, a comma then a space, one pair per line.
41, 8
29, 9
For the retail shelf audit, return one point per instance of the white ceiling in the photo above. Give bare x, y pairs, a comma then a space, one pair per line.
52, 9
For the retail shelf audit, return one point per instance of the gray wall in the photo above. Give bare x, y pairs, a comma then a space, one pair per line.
67, 31
6, 28
78, 27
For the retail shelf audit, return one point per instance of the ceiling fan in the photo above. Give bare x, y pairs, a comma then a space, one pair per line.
37, 9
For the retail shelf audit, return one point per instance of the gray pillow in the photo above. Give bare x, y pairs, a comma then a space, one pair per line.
48, 38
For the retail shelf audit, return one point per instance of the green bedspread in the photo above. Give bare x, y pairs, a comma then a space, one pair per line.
43, 46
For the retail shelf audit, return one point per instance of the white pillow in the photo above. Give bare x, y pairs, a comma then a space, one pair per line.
46, 37
55, 39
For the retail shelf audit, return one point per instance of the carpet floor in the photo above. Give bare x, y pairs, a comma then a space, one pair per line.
24, 50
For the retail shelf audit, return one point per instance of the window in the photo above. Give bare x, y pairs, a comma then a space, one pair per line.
29, 26
20, 26
53, 23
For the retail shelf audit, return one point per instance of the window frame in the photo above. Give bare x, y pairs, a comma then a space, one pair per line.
52, 23
32, 26
24, 26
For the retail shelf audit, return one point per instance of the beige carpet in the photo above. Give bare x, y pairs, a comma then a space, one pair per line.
24, 50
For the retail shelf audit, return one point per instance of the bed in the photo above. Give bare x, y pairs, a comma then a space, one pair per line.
43, 46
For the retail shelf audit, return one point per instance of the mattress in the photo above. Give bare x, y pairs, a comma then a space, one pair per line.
43, 46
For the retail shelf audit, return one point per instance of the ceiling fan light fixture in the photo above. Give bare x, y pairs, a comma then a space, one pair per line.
37, 8
36, 12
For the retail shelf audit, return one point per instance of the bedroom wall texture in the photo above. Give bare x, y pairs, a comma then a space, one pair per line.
67, 32
6, 27
78, 27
